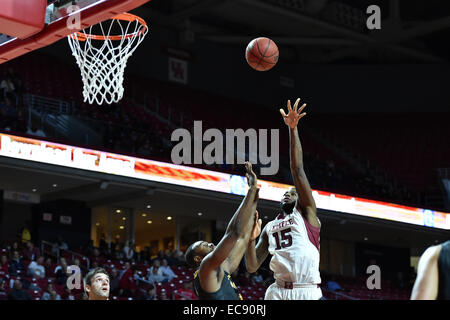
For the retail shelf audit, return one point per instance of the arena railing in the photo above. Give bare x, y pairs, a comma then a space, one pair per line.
47, 105
84, 260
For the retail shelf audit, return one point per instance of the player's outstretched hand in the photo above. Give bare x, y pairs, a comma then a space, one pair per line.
256, 227
250, 175
293, 116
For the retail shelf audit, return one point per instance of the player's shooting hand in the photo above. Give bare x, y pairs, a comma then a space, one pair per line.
250, 175
256, 227
293, 116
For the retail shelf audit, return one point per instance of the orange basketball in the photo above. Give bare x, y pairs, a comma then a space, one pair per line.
262, 54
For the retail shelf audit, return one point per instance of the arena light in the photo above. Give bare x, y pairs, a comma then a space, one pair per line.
115, 164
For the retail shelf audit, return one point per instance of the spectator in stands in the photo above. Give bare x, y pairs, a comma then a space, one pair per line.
18, 293
76, 262
62, 244
31, 252
50, 293
36, 131
25, 233
89, 248
150, 294
48, 265
3, 295
4, 265
16, 80
332, 285
167, 272
168, 256
96, 257
7, 87
155, 275
159, 257
145, 255
187, 292
114, 282
117, 253
137, 254
103, 246
36, 268
15, 247
61, 272
62, 261
58, 246
163, 295
178, 258
257, 278
128, 252
15, 265
245, 279
127, 283
68, 295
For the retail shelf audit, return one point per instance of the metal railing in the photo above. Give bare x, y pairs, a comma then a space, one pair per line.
51, 252
47, 105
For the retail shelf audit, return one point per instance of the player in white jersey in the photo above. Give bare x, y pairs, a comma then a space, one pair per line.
293, 238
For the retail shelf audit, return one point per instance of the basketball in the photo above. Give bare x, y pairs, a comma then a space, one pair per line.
262, 54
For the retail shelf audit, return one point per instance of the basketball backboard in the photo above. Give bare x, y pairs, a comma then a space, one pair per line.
62, 18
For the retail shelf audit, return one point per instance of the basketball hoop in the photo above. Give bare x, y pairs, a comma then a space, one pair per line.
102, 58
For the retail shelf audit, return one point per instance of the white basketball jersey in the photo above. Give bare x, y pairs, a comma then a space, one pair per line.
294, 257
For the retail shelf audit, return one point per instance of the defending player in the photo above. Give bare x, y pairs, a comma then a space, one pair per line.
96, 284
212, 280
293, 238
433, 274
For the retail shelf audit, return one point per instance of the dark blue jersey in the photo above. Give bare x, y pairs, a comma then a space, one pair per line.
227, 290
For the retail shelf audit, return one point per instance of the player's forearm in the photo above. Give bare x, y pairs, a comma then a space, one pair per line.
241, 220
296, 152
251, 260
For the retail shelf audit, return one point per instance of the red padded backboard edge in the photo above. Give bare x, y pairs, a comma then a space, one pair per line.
58, 29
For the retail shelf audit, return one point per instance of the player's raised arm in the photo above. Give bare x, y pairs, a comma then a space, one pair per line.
230, 249
306, 203
427, 280
256, 254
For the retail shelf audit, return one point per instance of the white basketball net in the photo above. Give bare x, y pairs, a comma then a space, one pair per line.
102, 62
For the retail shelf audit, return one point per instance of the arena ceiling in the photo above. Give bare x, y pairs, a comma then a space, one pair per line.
315, 31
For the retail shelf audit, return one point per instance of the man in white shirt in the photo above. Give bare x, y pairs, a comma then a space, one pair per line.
156, 275
36, 268
167, 271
